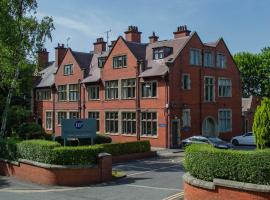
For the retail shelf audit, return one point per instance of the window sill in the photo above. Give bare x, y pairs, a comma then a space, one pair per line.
93, 99
146, 136
43, 100
129, 135
112, 134
149, 98
225, 97
128, 98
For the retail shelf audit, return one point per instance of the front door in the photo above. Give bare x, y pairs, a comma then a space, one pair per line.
209, 127
175, 134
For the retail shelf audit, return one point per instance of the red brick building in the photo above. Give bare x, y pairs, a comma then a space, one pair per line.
249, 106
162, 91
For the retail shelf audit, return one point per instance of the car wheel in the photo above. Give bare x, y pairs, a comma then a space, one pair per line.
235, 142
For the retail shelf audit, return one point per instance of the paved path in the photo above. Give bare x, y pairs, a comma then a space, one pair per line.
156, 178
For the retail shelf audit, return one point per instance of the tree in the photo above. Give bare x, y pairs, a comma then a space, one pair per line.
255, 72
21, 35
261, 124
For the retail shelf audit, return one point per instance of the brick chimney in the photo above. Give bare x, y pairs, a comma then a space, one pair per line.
182, 31
60, 52
133, 35
99, 45
111, 45
43, 58
153, 38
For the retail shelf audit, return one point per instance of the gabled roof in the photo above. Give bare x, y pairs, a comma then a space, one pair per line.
82, 58
47, 76
138, 49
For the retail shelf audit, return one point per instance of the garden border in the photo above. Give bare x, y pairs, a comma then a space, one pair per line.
221, 189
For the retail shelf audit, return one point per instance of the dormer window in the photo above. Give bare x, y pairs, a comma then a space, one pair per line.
119, 61
101, 62
68, 69
161, 52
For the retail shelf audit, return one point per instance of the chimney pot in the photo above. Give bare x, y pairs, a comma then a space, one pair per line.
133, 35
99, 45
182, 31
153, 38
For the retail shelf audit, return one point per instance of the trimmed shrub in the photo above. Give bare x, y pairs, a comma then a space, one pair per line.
261, 125
117, 149
102, 139
81, 155
8, 148
31, 130
38, 150
206, 163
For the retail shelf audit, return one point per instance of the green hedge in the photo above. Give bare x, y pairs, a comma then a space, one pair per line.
205, 162
37, 150
8, 148
117, 149
81, 155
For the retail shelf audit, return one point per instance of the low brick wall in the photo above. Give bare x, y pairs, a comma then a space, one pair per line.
219, 189
57, 174
134, 156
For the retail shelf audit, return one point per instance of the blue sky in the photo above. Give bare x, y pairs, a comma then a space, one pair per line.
244, 24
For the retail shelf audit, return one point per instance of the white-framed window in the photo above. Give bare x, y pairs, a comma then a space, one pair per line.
62, 92
93, 92
73, 92
158, 53
48, 120
225, 120
42, 95
61, 115
195, 57
101, 62
209, 89
73, 115
119, 61
208, 59
111, 122
128, 88
68, 69
186, 82
224, 87
94, 115
186, 118
149, 89
221, 61
129, 123
111, 89
149, 123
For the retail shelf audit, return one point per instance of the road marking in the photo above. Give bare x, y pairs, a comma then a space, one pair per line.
150, 187
145, 168
137, 173
173, 197
40, 190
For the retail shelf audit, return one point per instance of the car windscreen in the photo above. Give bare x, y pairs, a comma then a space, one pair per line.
215, 140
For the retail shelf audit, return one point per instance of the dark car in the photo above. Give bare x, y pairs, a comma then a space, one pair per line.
214, 141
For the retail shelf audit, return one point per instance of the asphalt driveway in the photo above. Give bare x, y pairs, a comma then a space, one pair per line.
155, 178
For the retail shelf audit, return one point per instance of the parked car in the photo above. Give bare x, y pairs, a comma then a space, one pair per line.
245, 139
214, 141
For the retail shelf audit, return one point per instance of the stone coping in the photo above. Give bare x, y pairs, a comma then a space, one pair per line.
225, 183
48, 166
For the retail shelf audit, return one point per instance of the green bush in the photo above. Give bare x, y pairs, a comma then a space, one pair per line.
261, 125
30, 130
8, 148
38, 150
206, 163
116, 149
102, 139
81, 155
